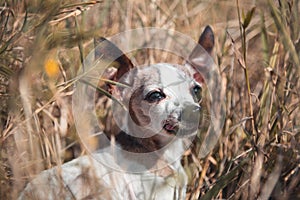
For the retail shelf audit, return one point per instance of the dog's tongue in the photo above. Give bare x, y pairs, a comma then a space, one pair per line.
170, 127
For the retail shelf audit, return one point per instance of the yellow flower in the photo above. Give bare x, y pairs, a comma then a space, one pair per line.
51, 67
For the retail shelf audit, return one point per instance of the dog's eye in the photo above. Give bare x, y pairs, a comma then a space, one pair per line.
155, 96
197, 91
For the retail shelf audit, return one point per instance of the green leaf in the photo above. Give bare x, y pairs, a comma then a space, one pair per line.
247, 19
223, 182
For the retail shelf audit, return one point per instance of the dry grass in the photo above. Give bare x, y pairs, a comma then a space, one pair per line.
42, 44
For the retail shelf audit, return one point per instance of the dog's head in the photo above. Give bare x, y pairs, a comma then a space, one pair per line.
159, 101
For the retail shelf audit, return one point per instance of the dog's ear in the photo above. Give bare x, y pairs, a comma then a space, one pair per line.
200, 56
106, 50
207, 40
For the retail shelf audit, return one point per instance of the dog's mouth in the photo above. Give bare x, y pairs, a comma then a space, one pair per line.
174, 127
171, 126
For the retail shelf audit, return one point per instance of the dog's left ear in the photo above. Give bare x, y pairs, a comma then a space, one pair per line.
200, 56
106, 50
120, 63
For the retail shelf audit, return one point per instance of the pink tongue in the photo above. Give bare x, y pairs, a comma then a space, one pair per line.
169, 127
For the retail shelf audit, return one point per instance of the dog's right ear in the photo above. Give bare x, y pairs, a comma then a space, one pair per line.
106, 50
199, 59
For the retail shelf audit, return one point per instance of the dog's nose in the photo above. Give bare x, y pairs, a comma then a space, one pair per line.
190, 112
196, 108
191, 107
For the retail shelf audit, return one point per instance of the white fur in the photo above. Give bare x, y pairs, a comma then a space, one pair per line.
86, 177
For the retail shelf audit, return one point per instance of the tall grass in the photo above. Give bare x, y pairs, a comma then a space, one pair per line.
42, 44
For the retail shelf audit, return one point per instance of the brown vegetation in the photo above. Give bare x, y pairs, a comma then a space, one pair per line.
42, 44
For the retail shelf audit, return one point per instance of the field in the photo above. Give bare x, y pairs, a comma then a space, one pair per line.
257, 50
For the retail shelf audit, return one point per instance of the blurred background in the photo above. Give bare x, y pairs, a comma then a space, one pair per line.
257, 45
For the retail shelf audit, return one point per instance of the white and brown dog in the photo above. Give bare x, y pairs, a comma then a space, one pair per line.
159, 112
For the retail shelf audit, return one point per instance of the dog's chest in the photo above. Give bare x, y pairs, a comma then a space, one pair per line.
86, 177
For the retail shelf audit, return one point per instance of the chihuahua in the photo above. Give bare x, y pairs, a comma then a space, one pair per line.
157, 109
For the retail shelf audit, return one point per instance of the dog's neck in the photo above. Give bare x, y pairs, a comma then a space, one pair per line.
159, 156
138, 145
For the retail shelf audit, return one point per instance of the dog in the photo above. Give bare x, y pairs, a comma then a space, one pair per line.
157, 109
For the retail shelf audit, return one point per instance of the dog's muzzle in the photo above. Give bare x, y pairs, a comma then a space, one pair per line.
183, 121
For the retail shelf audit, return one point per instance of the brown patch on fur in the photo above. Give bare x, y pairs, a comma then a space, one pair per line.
135, 111
145, 145
137, 145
